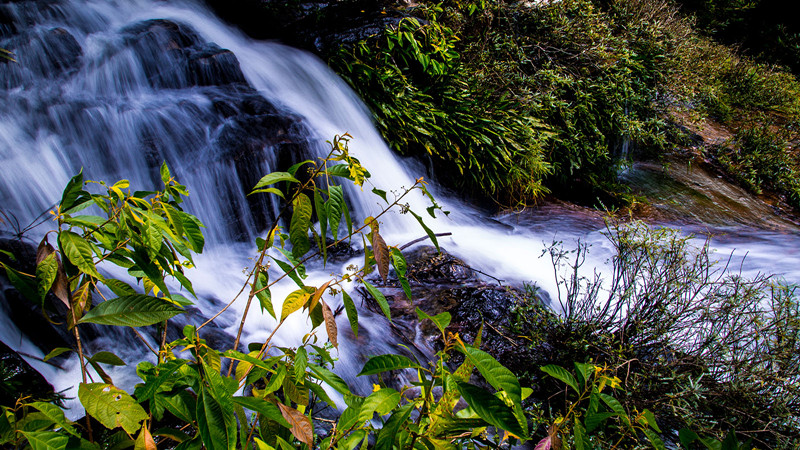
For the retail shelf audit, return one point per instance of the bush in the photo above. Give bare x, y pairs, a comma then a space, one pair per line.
700, 346
760, 159
426, 103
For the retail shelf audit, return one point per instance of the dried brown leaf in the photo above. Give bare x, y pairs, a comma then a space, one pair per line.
330, 324
301, 425
381, 253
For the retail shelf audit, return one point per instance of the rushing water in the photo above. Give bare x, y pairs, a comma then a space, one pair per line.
88, 93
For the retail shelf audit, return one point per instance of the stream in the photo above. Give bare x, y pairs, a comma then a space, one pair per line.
114, 88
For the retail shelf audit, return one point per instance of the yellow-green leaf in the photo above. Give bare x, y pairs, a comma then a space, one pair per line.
111, 406
293, 302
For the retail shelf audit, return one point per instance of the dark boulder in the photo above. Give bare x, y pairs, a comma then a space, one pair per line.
173, 56
40, 54
19, 380
440, 282
320, 26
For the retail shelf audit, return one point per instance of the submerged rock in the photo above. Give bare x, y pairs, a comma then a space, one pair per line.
440, 283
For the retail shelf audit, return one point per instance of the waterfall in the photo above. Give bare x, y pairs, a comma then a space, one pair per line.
94, 90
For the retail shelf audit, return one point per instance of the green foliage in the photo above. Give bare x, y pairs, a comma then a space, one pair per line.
698, 346
145, 233
762, 161
594, 418
427, 102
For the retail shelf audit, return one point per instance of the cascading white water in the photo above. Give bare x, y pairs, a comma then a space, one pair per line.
105, 109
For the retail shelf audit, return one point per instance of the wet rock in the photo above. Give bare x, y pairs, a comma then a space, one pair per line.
18, 379
40, 54
174, 57
43, 326
440, 282
320, 26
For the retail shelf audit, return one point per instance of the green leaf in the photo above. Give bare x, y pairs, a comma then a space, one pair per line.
267, 191
46, 440
388, 433
441, 320
293, 269
131, 311
275, 177
322, 216
651, 420
687, 436
119, 288
263, 294
107, 358
615, 406
400, 268
378, 296
165, 175
335, 208
584, 372
78, 252
300, 223
181, 404
495, 373
381, 402
428, 231
730, 442
262, 407
74, 195
153, 383
194, 237
294, 302
23, 283
46, 272
385, 363
111, 406
300, 363
658, 444
293, 169
581, 440
215, 422
561, 374
56, 352
338, 170
319, 391
380, 193
55, 414
332, 380
592, 421
352, 312
491, 409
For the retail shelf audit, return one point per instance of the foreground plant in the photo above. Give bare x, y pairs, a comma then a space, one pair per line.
191, 394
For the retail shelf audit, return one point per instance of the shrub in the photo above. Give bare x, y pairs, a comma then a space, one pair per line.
700, 346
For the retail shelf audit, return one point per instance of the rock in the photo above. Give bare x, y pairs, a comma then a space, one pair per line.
18, 379
40, 54
173, 56
320, 26
440, 282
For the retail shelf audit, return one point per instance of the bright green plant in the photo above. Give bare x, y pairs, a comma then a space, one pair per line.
427, 102
592, 416
199, 387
